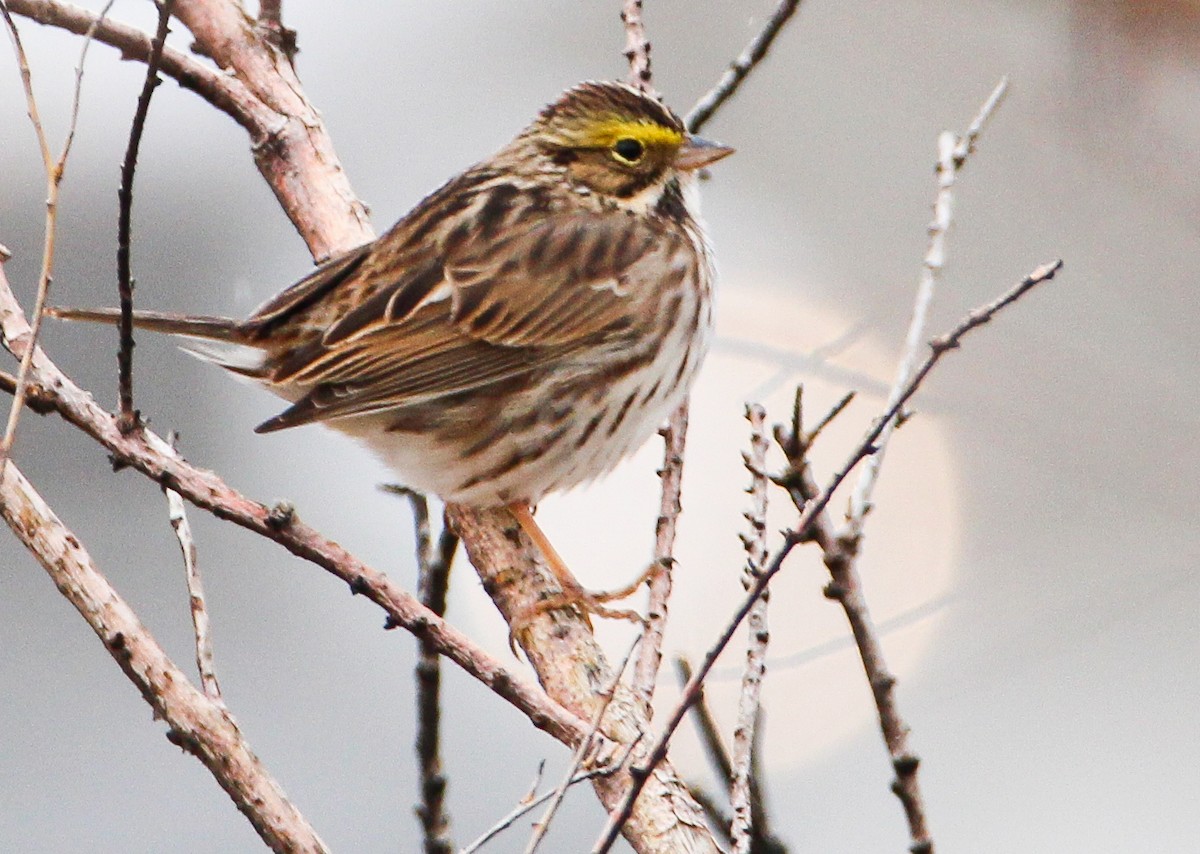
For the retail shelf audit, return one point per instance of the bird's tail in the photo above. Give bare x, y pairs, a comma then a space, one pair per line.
220, 340
193, 326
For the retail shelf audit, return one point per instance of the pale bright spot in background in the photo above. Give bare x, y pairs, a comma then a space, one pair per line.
816, 694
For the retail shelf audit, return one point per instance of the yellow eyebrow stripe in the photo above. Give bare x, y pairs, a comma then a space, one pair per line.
604, 133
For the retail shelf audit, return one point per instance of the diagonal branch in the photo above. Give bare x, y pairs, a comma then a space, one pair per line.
953, 152
226, 93
740, 68
657, 748
196, 723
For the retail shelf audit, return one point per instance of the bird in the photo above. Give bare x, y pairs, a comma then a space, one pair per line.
520, 331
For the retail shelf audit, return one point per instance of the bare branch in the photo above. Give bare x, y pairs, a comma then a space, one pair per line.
561, 648
270, 24
129, 418
54, 175
433, 580
671, 474
300, 164
952, 156
756, 653
533, 800
225, 93
658, 747
205, 661
196, 723
741, 67
637, 47
581, 754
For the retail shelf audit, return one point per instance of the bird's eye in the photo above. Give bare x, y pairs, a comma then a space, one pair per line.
628, 149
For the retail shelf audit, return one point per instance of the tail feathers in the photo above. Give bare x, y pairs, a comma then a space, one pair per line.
214, 339
194, 326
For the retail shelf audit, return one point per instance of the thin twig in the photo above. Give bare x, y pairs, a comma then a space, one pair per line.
938, 348
581, 753
710, 733
532, 800
645, 674
129, 418
637, 47
433, 580
741, 67
205, 661
55, 170
749, 698
953, 152
224, 92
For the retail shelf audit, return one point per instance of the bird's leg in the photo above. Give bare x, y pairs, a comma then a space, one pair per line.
573, 594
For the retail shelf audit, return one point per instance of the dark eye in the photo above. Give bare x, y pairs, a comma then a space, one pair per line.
629, 149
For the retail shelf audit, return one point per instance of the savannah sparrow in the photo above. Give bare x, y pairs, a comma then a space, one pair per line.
521, 330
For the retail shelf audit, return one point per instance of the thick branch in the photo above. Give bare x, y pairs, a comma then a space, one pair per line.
197, 724
573, 669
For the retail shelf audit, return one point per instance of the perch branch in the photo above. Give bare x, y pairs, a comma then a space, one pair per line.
581, 754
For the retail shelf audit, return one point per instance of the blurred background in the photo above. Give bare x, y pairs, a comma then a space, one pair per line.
1033, 557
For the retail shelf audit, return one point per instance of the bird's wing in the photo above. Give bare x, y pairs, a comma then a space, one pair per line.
490, 309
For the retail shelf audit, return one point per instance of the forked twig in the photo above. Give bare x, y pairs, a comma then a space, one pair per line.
953, 152
582, 752
938, 348
533, 800
55, 169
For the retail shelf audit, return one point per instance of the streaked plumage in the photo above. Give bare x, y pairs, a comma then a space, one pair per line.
522, 329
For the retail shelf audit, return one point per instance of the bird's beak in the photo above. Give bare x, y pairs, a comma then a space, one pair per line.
696, 153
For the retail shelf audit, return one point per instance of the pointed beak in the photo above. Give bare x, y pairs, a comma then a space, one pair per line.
696, 153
